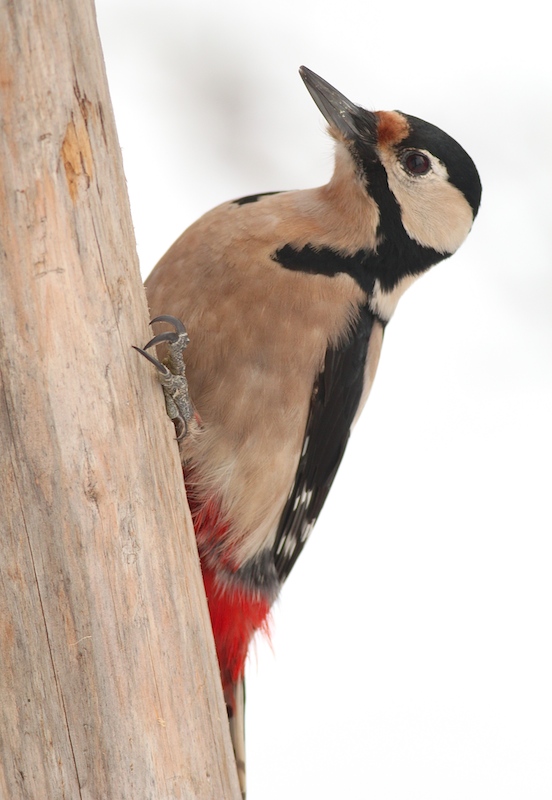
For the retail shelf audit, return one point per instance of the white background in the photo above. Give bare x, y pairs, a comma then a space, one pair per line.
412, 655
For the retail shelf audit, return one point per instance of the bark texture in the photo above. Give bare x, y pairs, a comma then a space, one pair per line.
109, 685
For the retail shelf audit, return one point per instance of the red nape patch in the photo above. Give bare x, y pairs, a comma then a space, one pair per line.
392, 127
235, 616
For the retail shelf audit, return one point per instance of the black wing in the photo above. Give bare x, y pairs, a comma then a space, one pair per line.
335, 399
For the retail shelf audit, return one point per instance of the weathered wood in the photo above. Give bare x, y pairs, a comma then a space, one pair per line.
109, 686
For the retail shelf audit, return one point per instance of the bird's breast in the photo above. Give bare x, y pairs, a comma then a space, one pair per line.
251, 371
259, 333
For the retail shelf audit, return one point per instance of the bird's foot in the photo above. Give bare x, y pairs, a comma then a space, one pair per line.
172, 372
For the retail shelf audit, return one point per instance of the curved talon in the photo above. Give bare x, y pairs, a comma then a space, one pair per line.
178, 324
172, 373
156, 363
159, 366
172, 337
168, 336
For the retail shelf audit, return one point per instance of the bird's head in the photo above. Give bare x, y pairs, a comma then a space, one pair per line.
424, 183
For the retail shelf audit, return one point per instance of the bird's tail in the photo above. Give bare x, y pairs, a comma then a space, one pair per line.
235, 703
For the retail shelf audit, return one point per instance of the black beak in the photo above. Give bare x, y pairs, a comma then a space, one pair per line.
352, 121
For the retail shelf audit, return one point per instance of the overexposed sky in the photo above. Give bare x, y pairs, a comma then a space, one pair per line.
412, 654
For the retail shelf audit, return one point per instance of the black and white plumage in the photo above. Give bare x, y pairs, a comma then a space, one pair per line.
286, 296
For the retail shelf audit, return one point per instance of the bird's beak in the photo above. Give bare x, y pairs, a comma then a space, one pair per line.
352, 121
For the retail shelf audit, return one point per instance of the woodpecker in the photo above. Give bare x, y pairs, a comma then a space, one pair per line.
285, 297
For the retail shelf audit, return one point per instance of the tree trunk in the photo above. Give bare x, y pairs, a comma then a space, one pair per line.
109, 685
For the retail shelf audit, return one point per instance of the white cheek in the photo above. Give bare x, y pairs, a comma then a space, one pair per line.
434, 213
437, 215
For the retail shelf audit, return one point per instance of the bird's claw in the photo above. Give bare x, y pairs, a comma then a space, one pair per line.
172, 372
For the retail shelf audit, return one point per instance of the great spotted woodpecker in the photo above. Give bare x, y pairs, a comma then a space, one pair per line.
286, 296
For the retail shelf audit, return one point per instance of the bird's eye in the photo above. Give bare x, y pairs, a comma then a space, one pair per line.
416, 163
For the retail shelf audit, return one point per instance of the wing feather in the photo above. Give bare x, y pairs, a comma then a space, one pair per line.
336, 395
